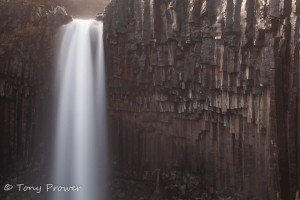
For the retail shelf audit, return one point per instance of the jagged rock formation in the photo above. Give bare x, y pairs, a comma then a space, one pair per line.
27, 30
206, 87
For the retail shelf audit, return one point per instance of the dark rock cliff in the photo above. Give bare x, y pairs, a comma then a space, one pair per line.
27, 30
208, 88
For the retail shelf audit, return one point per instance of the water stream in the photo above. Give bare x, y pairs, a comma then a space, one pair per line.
80, 155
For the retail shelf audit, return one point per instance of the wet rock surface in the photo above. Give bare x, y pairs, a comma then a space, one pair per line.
206, 87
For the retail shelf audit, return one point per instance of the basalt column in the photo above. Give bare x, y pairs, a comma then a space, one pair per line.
27, 31
209, 88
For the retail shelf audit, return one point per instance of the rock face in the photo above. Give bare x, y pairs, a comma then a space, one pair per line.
26, 61
209, 88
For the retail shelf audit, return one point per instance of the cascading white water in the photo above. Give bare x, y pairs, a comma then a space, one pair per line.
80, 155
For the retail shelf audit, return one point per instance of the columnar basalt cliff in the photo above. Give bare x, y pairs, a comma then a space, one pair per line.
27, 30
203, 95
208, 88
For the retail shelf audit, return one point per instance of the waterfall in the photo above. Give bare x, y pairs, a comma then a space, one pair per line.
80, 151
